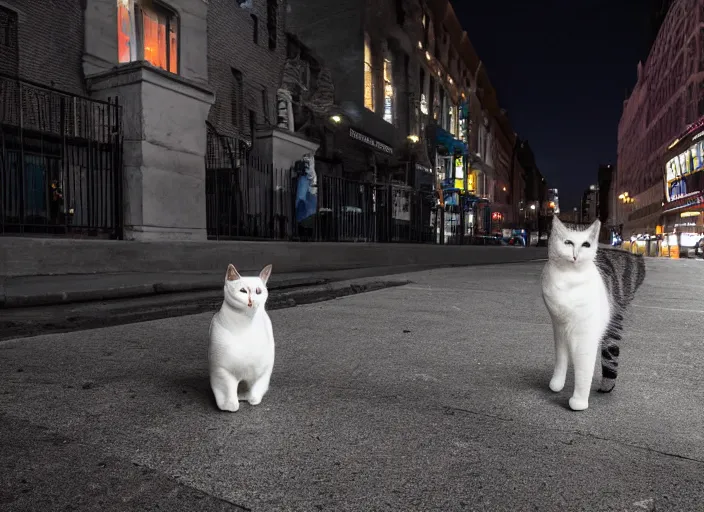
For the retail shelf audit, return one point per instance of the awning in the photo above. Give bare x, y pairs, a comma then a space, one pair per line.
446, 139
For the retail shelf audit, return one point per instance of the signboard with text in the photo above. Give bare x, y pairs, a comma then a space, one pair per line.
366, 139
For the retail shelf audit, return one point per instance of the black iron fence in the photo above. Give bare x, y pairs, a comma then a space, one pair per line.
249, 200
60, 162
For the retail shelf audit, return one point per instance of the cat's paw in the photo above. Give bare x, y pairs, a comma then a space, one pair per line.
577, 404
254, 400
556, 384
607, 385
230, 406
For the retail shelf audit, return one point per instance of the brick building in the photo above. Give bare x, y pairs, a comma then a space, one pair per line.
246, 54
43, 42
415, 100
667, 96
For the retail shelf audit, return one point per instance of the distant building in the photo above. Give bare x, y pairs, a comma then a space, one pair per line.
664, 101
604, 180
553, 207
589, 205
536, 192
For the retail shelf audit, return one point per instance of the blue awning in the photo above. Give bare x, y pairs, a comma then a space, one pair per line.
452, 144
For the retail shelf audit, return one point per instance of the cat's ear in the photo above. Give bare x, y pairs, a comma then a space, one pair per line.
594, 229
265, 274
232, 274
557, 225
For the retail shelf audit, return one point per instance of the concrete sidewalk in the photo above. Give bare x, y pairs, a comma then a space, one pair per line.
42, 256
39, 272
432, 396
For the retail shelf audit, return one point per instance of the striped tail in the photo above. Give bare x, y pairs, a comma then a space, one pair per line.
628, 273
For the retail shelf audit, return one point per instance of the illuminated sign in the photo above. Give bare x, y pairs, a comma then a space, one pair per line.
459, 168
366, 139
688, 162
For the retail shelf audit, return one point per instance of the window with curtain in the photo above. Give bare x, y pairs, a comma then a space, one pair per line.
147, 30
369, 89
388, 90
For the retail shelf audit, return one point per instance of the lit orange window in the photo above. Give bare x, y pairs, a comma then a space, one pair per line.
369, 89
158, 34
125, 32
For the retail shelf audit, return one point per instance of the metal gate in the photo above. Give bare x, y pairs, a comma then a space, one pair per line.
60, 162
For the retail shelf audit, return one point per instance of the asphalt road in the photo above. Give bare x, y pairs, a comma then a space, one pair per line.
431, 396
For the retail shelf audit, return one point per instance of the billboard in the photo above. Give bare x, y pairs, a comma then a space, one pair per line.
683, 171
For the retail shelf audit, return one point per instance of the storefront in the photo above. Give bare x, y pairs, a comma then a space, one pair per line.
683, 208
465, 213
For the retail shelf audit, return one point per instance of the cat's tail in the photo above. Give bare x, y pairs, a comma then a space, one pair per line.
628, 279
610, 352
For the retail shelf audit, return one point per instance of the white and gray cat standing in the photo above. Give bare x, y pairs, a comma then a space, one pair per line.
241, 345
586, 290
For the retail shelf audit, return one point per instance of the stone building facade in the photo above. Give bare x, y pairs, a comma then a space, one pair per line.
668, 95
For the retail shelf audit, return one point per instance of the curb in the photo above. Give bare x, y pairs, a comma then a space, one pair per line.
281, 298
174, 287
130, 292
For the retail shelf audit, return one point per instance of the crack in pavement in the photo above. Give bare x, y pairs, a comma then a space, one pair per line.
576, 432
190, 486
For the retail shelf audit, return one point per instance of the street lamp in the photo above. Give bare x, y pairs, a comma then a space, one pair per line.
532, 207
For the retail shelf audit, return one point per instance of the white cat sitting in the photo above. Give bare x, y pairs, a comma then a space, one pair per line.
241, 347
578, 302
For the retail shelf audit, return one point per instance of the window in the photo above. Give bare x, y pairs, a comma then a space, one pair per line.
388, 90
423, 94
147, 32
9, 47
452, 117
237, 99
252, 124
255, 29
400, 13
272, 22
369, 89
265, 104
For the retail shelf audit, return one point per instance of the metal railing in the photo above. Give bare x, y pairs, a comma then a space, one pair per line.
60, 162
246, 199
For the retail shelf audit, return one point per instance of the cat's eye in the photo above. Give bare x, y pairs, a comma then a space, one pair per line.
243, 290
259, 290
587, 245
568, 242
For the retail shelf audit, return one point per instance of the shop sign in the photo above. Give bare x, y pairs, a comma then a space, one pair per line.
694, 199
424, 169
689, 161
366, 139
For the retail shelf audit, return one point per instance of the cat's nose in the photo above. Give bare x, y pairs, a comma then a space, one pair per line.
574, 258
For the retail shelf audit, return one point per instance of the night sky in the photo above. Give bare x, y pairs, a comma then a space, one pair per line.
561, 69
